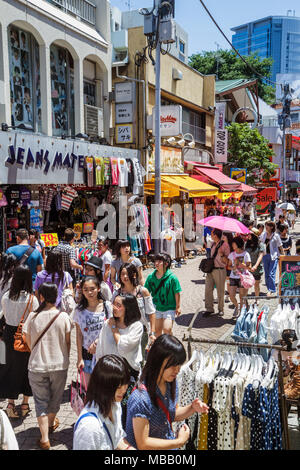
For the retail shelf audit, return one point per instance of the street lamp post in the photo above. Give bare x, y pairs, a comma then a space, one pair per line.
157, 197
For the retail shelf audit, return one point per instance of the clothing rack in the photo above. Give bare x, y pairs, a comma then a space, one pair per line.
283, 404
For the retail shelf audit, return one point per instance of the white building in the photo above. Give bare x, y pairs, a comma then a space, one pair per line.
55, 66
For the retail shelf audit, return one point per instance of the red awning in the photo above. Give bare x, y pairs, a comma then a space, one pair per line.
247, 189
214, 175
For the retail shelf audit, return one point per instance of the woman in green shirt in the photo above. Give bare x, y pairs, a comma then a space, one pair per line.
165, 289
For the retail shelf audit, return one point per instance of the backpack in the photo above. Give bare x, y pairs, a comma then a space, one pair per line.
68, 303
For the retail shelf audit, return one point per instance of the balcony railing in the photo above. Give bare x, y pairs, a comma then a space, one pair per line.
198, 133
81, 9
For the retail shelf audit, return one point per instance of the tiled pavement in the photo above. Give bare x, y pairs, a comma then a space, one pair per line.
212, 328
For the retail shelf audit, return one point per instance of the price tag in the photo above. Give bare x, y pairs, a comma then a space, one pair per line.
50, 239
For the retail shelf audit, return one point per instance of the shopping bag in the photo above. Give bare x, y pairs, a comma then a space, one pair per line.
78, 393
247, 279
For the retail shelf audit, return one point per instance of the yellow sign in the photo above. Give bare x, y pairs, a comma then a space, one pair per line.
239, 174
224, 196
50, 239
78, 228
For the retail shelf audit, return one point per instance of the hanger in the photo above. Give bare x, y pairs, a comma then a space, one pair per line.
193, 359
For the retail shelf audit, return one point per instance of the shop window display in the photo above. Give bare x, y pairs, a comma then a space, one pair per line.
62, 91
25, 79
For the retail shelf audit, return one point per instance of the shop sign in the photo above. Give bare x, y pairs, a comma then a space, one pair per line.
33, 159
170, 121
124, 92
88, 227
221, 145
78, 228
224, 196
124, 113
50, 239
124, 134
264, 199
239, 174
220, 115
289, 269
170, 161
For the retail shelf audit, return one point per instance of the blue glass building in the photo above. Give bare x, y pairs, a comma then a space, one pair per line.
277, 37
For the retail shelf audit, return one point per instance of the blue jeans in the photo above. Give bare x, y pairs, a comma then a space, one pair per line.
270, 267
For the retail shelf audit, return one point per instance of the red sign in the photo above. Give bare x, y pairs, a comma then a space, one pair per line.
264, 199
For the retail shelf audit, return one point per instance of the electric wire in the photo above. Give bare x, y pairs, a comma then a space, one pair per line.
235, 50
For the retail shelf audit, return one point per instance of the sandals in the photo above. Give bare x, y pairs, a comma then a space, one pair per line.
55, 426
44, 445
11, 411
25, 410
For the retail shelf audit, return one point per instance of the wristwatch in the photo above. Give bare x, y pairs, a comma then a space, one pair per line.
113, 327
152, 333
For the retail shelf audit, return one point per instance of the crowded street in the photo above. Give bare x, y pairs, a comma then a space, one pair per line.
149, 228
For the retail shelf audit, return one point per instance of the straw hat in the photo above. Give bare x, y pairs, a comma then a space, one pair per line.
255, 231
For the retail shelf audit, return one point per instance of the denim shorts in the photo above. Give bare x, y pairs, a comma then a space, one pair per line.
88, 366
168, 315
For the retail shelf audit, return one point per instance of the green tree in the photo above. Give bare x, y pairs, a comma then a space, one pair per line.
247, 148
227, 65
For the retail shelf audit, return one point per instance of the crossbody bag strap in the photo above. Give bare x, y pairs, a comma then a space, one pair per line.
45, 330
159, 287
27, 308
217, 249
161, 405
26, 255
102, 422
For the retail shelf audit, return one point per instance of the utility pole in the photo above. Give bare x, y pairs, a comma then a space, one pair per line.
159, 28
284, 120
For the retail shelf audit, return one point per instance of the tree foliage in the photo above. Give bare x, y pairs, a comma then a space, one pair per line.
247, 148
227, 65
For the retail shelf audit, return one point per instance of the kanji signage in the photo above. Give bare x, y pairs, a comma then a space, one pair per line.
124, 134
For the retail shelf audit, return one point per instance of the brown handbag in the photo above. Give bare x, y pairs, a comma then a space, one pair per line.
20, 344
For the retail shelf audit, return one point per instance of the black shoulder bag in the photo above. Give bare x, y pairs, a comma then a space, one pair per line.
207, 265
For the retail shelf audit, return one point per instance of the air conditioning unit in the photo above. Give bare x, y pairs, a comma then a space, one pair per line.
93, 117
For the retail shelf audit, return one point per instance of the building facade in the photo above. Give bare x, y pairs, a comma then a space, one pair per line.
55, 66
276, 37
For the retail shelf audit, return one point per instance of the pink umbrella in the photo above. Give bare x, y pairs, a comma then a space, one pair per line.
226, 224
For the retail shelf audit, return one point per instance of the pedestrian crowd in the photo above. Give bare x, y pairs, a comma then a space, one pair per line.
127, 357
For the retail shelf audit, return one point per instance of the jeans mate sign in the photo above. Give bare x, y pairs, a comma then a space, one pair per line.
34, 159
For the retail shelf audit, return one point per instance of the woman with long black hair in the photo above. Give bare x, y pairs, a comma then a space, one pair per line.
8, 263
54, 273
89, 318
152, 407
99, 426
14, 374
48, 334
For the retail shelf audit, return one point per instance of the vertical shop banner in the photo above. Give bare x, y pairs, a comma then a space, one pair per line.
220, 116
289, 269
221, 145
264, 198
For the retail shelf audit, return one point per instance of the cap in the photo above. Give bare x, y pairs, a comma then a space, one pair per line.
95, 262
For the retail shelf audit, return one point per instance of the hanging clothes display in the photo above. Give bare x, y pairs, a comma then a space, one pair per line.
167, 242
141, 241
252, 327
242, 392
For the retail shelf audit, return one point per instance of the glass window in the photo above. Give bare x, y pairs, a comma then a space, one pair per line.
25, 79
182, 47
62, 91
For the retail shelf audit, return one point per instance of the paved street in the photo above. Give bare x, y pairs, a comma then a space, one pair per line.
213, 328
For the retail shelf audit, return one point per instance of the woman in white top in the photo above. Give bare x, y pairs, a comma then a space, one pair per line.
122, 334
89, 318
128, 275
48, 334
239, 260
99, 426
14, 374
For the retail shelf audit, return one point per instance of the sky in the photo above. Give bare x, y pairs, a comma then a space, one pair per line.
203, 34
